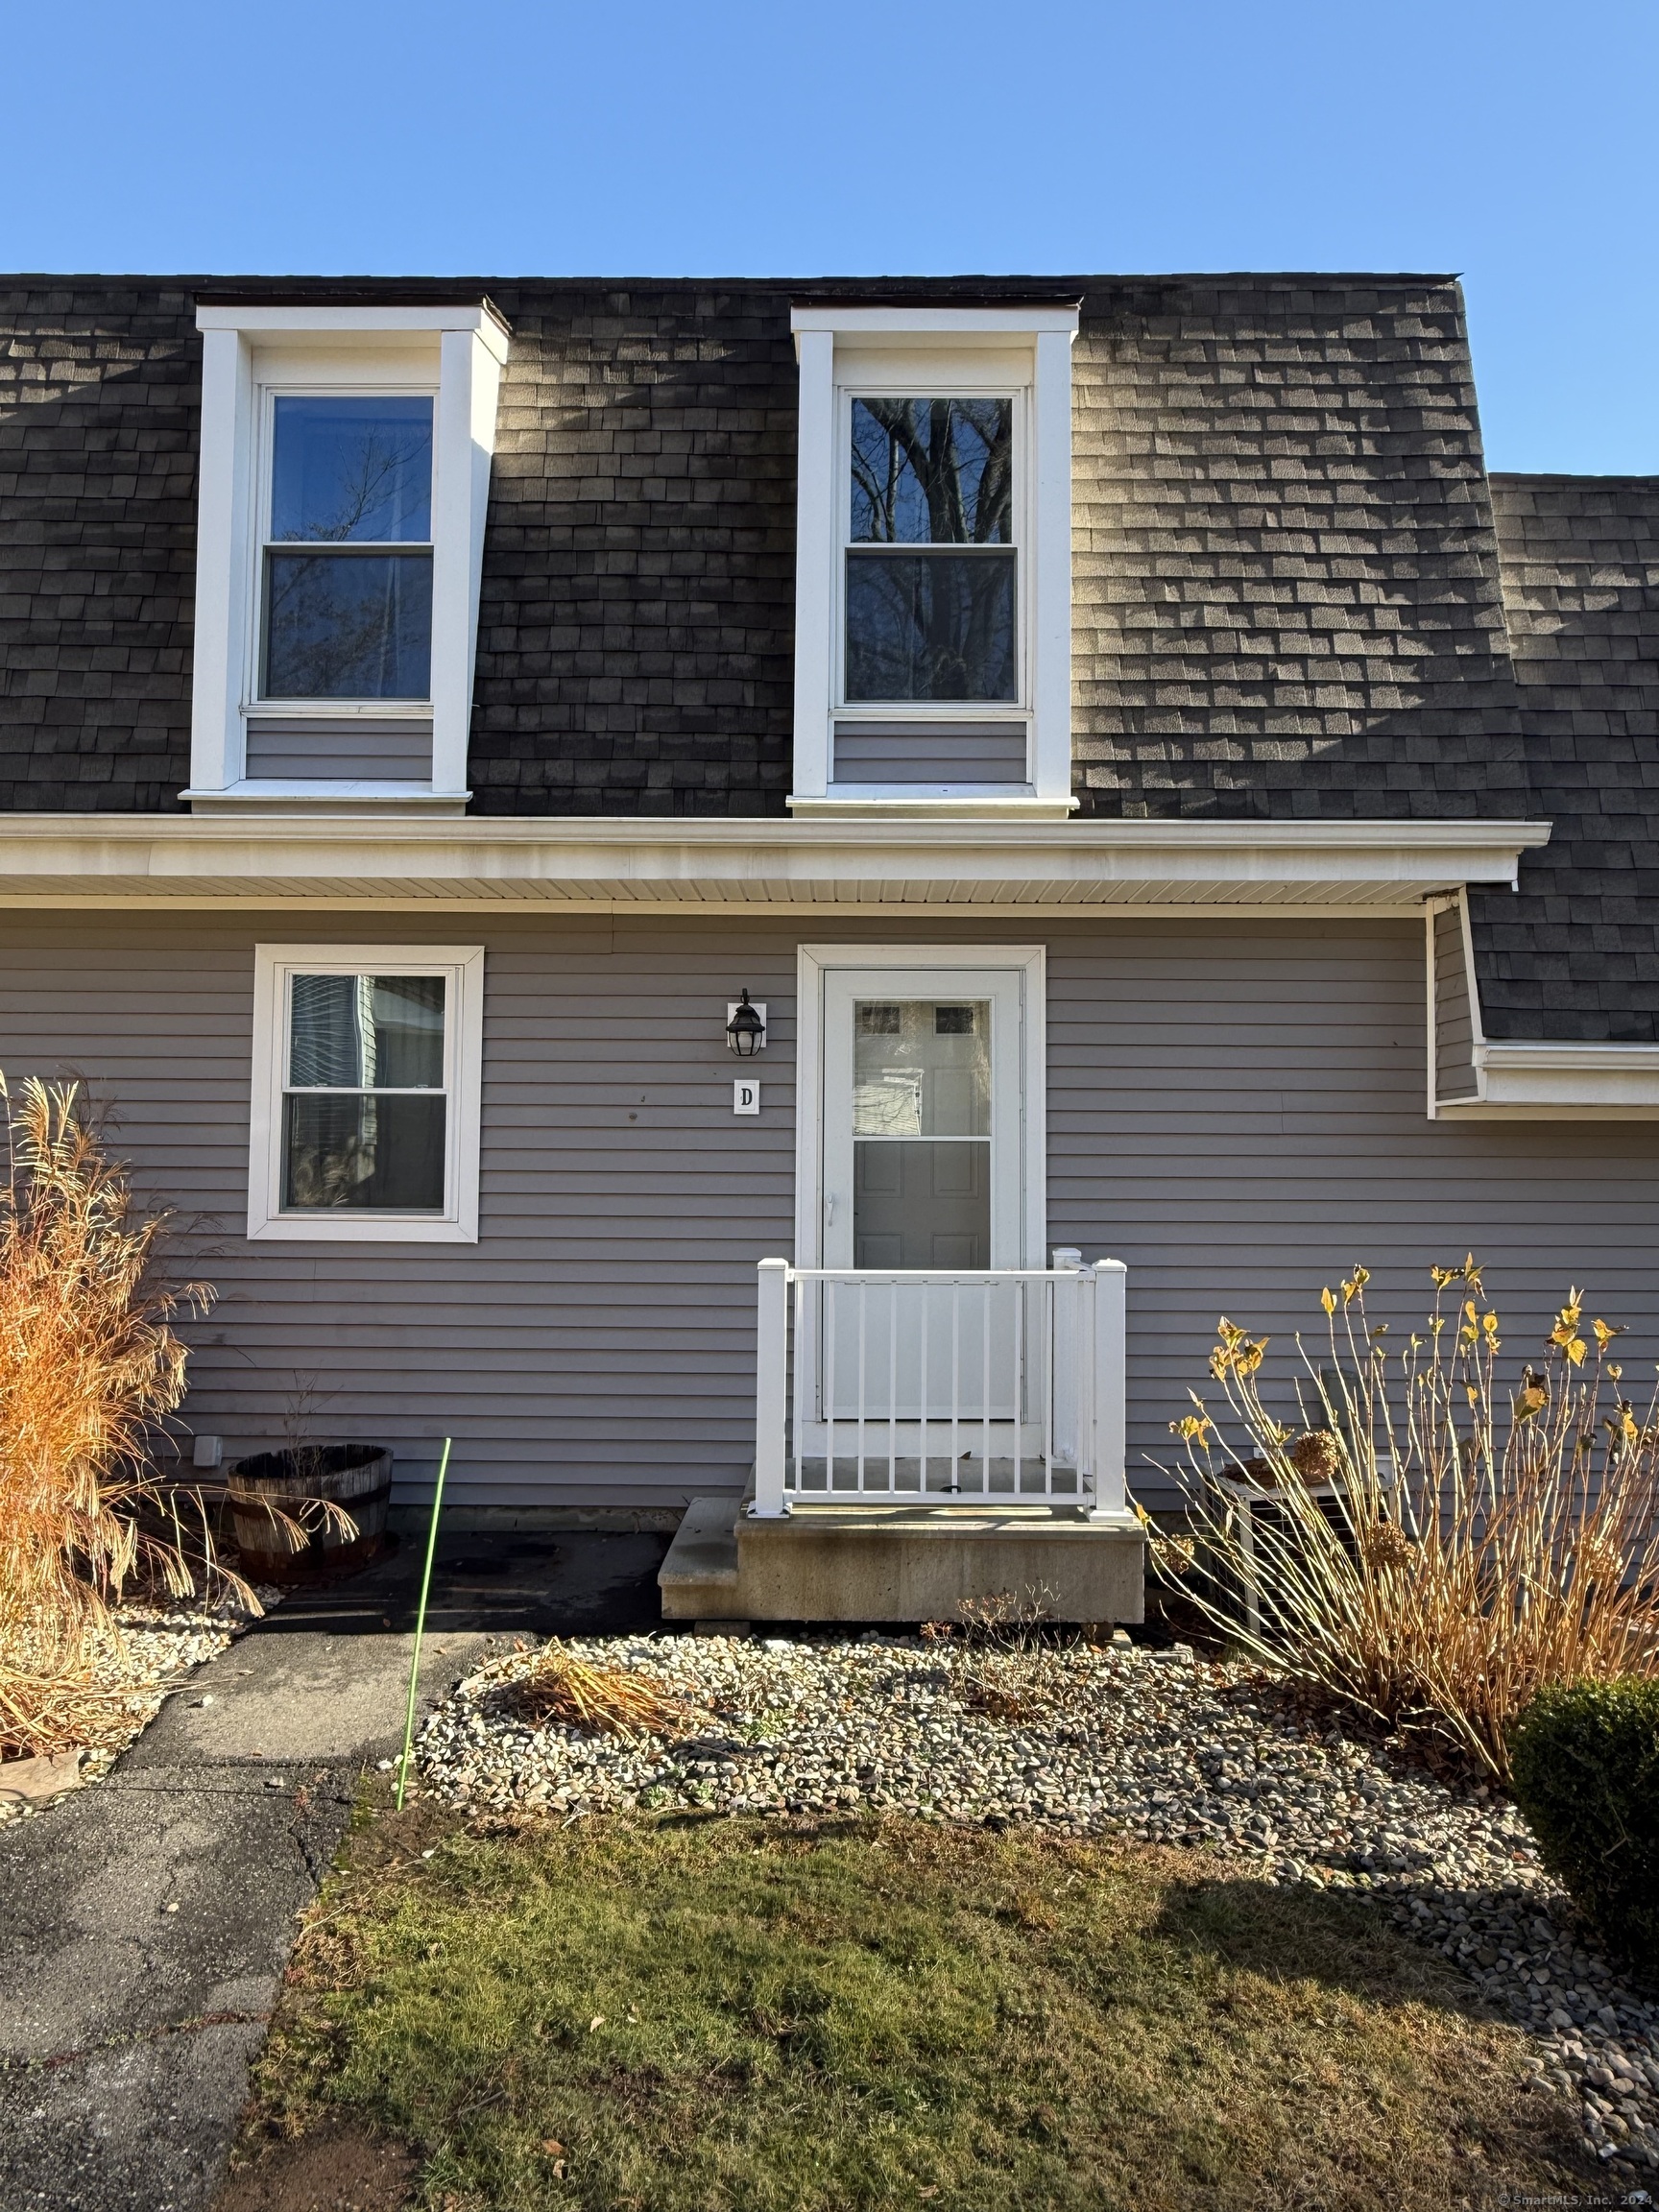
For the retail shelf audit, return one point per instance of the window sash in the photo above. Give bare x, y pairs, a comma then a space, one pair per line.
1012, 549
293, 1095
256, 687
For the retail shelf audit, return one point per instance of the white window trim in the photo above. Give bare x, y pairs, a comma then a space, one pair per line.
813, 962
967, 349
463, 968
455, 353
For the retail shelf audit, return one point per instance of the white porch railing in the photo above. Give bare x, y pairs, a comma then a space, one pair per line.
1003, 1384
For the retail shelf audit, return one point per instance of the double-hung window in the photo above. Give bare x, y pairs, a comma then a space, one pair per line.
931, 580
933, 574
346, 594
366, 1092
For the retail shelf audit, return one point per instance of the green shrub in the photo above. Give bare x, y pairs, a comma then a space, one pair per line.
1584, 1758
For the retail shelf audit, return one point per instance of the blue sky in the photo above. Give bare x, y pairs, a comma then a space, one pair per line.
1512, 142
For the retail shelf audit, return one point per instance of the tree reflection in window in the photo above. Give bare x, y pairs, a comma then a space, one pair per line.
930, 578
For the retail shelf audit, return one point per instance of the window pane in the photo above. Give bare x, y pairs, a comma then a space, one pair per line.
932, 471
921, 1069
347, 625
930, 626
367, 1030
352, 469
384, 1153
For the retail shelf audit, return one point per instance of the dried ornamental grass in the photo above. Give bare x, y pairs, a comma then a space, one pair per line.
601, 1700
1425, 1542
90, 1369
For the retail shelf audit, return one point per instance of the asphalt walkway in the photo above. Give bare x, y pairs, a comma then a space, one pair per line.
145, 1922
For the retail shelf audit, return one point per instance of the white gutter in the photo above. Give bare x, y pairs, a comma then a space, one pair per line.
356, 856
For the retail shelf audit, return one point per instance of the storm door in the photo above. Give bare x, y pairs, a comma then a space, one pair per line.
922, 1198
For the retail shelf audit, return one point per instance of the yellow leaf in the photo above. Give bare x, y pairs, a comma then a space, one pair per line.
1327, 1299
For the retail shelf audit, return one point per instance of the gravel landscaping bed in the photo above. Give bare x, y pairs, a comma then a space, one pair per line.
1150, 1746
158, 1648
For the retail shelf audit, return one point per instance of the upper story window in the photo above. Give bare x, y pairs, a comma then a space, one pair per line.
345, 456
933, 603
931, 580
346, 610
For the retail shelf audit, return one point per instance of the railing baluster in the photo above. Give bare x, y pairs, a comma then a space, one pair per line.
1046, 1307
830, 1380
893, 1387
922, 1407
802, 1341
956, 1482
863, 1331
986, 1293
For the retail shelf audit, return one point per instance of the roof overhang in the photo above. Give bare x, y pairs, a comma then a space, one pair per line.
1527, 1081
377, 858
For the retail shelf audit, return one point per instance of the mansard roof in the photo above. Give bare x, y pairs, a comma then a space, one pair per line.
1292, 598
1575, 956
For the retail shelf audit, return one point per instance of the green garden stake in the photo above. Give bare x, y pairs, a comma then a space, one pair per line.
420, 1627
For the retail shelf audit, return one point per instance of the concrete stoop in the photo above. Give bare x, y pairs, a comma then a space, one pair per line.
898, 1562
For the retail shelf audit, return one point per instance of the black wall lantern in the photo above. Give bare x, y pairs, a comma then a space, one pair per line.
746, 1031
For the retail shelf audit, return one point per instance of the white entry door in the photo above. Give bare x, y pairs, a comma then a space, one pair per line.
922, 1174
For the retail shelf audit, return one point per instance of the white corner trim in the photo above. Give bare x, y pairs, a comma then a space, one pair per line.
816, 596
463, 1068
813, 962
469, 347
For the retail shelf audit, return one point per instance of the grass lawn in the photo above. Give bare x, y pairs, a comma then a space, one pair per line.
737, 2016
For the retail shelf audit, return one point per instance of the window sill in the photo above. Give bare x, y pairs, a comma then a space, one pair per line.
362, 1229
328, 796
896, 805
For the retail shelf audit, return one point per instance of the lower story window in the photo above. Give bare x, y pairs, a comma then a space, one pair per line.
366, 1092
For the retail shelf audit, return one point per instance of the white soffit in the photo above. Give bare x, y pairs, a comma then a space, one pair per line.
629, 862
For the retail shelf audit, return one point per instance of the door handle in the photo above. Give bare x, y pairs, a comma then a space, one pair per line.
828, 1210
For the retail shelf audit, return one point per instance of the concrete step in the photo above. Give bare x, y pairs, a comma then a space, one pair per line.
900, 1562
699, 1578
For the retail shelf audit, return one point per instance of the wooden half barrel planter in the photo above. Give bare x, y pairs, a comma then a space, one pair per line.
355, 1478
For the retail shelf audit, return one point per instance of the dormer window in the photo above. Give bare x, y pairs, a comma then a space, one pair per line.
933, 560
346, 459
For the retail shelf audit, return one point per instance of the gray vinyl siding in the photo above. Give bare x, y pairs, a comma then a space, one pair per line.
1235, 1108
1454, 1016
931, 753
369, 751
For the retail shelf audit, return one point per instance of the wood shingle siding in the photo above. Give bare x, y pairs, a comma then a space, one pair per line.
1234, 1109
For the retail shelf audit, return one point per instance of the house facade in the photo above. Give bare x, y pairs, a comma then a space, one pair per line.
1163, 801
